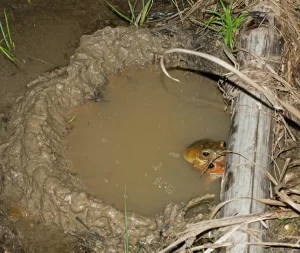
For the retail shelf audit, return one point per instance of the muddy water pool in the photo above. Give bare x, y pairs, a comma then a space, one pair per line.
134, 140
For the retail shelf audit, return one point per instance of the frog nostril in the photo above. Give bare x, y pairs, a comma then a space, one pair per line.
211, 166
205, 153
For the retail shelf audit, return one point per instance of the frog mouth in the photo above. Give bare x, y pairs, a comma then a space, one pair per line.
215, 167
215, 175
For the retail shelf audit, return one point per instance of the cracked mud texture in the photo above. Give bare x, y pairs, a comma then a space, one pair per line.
36, 174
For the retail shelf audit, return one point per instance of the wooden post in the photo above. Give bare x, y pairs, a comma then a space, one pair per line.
251, 131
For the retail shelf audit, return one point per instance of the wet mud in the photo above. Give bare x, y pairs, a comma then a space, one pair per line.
35, 169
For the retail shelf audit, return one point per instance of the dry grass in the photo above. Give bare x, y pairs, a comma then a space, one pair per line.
193, 230
281, 88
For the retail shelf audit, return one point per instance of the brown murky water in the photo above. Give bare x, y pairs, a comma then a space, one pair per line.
136, 139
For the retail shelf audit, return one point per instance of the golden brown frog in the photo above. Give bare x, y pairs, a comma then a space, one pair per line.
207, 155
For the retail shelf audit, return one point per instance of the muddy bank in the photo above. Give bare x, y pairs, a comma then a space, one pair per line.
36, 175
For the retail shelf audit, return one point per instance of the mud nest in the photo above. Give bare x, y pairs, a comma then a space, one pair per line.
36, 180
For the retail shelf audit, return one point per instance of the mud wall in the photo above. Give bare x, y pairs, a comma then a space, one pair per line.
36, 174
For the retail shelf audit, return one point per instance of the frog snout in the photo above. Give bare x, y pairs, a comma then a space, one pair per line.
217, 167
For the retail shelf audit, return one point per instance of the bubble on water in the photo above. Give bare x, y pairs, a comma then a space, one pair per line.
170, 189
156, 167
162, 184
158, 182
174, 154
103, 140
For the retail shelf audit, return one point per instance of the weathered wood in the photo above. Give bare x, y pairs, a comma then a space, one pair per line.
250, 138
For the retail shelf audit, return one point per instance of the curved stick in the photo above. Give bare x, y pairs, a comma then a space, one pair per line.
273, 100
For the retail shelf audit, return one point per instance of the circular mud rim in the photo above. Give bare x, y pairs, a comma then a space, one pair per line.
36, 173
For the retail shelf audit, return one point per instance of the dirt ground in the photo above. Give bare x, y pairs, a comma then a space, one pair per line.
46, 34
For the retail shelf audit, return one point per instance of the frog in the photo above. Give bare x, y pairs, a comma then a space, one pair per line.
207, 155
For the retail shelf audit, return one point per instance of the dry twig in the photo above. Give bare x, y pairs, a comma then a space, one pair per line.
203, 226
275, 101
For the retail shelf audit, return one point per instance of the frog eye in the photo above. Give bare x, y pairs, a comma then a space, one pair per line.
224, 145
211, 166
205, 153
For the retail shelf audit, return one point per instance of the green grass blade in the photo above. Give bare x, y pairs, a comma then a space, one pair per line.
7, 54
126, 223
134, 4
215, 22
224, 6
211, 25
231, 5
241, 18
137, 20
145, 11
214, 29
226, 36
131, 8
8, 30
226, 21
4, 36
133, 19
119, 13
209, 22
206, 25
149, 6
215, 13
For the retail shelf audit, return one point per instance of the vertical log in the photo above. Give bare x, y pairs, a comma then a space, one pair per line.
251, 132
